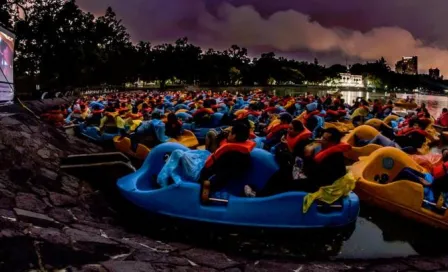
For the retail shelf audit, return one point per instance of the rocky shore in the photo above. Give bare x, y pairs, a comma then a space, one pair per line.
50, 221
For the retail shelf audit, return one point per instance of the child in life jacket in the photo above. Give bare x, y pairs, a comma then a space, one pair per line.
173, 126
231, 159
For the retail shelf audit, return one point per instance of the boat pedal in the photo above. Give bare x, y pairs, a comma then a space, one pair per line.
438, 209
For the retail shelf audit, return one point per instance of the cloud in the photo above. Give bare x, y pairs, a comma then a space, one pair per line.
224, 24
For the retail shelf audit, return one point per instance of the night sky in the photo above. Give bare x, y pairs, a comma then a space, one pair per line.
333, 31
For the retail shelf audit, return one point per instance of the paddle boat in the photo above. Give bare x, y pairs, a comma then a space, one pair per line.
379, 185
343, 126
93, 133
401, 103
200, 131
363, 132
187, 200
124, 145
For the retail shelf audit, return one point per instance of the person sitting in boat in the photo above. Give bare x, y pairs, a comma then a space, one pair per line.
111, 122
297, 138
277, 132
133, 119
95, 116
232, 157
146, 111
421, 108
202, 115
360, 113
54, 116
335, 113
324, 162
173, 126
150, 133
410, 138
443, 118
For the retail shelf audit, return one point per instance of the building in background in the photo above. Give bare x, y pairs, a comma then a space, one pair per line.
435, 74
407, 65
345, 80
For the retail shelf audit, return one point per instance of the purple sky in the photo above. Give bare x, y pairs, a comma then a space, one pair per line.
328, 29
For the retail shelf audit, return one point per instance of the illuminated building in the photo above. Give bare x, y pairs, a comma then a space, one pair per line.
349, 80
407, 65
434, 73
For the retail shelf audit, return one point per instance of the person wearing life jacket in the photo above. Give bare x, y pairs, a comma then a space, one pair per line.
323, 163
133, 119
173, 126
297, 138
360, 113
232, 158
111, 122
443, 118
277, 132
386, 110
202, 115
150, 133
54, 116
95, 116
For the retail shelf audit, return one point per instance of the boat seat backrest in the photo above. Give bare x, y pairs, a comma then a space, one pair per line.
262, 167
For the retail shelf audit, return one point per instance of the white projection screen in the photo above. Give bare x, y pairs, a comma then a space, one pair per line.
6, 65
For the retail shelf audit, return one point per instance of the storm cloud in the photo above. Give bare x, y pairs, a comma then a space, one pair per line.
357, 30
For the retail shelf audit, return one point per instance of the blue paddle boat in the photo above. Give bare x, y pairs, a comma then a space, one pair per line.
93, 133
183, 199
201, 131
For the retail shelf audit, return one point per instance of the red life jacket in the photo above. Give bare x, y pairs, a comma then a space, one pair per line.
276, 130
409, 130
293, 141
203, 110
252, 136
440, 171
311, 114
443, 120
387, 107
339, 148
225, 147
271, 109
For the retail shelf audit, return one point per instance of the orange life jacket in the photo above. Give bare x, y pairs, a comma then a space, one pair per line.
440, 171
310, 114
276, 130
339, 148
135, 116
225, 147
252, 136
293, 141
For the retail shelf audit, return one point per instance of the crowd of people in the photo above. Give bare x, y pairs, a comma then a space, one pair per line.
290, 127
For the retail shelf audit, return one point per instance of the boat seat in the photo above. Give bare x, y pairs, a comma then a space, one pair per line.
263, 167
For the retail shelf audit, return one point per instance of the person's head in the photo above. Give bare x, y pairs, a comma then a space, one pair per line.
240, 131
445, 154
134, 110
156, 115
285, 118
172, 118
445, 110
295, 128
423, 105
83, 107
331, 136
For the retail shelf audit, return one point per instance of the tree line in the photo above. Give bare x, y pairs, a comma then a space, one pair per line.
58, 45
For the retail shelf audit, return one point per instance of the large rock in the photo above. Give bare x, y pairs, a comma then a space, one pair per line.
50, 235
62, 200
129, 266
30, 202
35, 218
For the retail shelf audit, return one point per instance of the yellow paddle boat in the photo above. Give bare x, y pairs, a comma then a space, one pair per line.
363, 132
377, 123
388, 120
343, 126
123, 144
377, 185
401, 103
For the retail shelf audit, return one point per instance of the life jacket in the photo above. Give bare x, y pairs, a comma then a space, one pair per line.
111, 120
440, 171
409, 130
225, 147
271, 109
339, 148
97, 111
203, 111
135, 116
293, 141
276, 130
252, 135
443, 120
311, 114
